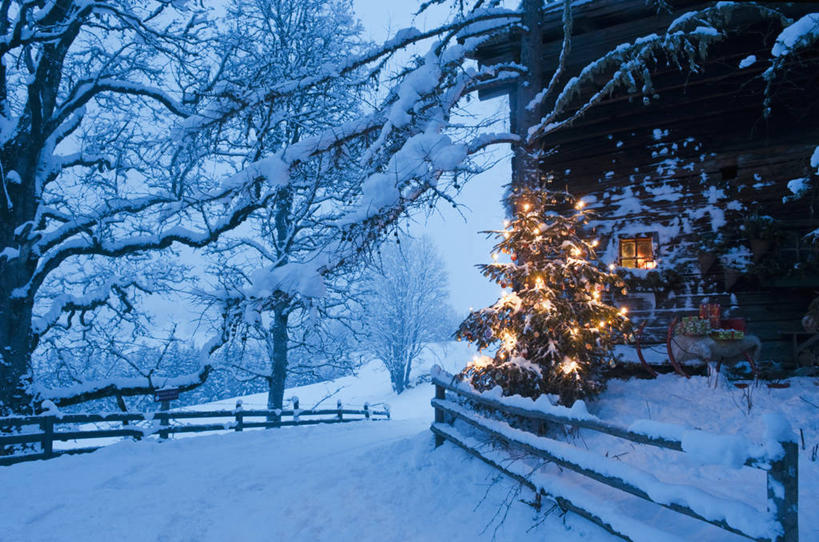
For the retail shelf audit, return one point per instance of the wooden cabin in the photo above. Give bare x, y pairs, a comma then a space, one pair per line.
694, 186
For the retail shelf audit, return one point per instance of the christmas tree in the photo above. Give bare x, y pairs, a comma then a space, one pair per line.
554, 329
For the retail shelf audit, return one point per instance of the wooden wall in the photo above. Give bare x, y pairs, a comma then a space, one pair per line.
691, 165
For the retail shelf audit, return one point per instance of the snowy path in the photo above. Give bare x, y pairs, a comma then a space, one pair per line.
358, 482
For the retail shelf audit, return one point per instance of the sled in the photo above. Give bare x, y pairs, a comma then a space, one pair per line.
638, 336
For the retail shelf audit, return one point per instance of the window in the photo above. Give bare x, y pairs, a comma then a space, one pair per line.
637, 252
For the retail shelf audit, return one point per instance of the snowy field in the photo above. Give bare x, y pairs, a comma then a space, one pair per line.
381, 481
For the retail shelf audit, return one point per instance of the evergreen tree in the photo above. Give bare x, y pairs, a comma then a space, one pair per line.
555, 330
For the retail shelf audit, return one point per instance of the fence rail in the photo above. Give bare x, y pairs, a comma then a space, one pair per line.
159, 424
780, 524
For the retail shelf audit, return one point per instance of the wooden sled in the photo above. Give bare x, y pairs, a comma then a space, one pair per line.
638, 336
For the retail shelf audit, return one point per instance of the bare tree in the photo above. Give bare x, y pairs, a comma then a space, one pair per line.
407, 306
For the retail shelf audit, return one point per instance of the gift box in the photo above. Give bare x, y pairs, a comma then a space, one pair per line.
727, 334
737, 324
695, 327
712, 313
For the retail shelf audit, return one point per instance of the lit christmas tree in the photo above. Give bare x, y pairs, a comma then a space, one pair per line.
555, 330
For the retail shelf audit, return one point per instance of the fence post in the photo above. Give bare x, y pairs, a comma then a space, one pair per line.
366, 411
440, 394
783, 492
295, 410
164, 420
239, 415
47, 426
338, 406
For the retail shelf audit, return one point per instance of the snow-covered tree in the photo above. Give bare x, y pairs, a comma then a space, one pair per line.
406, 307
83, 96
555, 329
109, 114
271, 265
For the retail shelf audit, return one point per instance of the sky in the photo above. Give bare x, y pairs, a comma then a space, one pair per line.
456, 232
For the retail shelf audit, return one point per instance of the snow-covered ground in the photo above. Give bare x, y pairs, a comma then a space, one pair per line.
381, 481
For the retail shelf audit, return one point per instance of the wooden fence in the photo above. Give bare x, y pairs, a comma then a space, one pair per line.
780, 524
141, 425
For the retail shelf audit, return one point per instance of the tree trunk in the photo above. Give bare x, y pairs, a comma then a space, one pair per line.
397, 378
407, 371
15, 353
16, 342
278, 369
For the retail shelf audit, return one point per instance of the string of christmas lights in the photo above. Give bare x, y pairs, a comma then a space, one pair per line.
553, 328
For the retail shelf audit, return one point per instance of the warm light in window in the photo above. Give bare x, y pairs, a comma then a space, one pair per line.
637, 253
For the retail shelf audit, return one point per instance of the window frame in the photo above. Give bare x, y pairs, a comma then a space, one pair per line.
638, 257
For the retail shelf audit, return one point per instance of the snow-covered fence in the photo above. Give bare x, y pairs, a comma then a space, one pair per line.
778, 456
121, 425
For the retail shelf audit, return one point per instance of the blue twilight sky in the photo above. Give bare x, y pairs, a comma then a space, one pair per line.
455, 232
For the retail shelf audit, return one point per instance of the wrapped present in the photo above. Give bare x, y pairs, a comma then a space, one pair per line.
727, 334
695, 327
712, 313
737, 324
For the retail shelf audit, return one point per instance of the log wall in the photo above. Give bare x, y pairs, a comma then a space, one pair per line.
689, 164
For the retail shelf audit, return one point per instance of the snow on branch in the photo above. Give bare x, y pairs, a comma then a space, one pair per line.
122, 387
137, 385
794, 39
67, 303
626, 67
84, 91
565, 50
402, 39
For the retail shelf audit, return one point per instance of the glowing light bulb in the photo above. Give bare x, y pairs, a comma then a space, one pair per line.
508, 339
595, 243
568, 367
580, 204
539, 283
576, 252
526, 207
623, 311
612, 267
